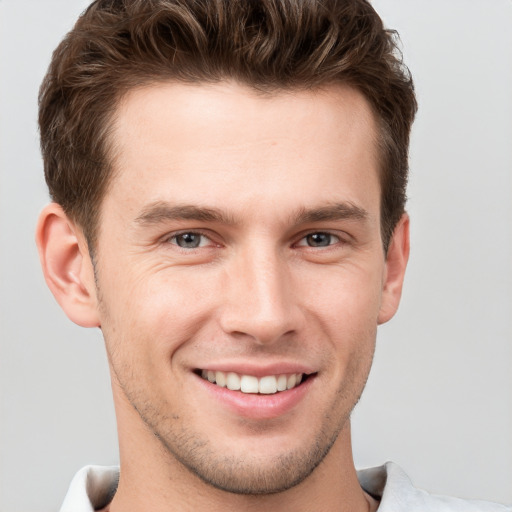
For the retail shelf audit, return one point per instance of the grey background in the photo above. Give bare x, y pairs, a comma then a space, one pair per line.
439, 399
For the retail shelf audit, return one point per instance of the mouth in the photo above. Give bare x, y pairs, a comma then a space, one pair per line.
250, 384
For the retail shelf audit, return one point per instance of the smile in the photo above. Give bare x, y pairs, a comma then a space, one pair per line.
267, 385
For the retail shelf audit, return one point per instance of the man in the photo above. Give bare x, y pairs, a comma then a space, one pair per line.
229, 208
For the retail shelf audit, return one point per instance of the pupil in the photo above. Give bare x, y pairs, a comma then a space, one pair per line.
189, 240
319, 239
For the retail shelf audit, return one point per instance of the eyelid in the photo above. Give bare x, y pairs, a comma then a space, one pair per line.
335, 234
340, 237
204, 233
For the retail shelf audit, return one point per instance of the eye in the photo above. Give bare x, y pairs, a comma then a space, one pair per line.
189, 240
319, 239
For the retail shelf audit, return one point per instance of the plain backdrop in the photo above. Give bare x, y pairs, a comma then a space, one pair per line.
439, 399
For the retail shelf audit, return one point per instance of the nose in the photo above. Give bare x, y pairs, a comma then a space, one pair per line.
259, 299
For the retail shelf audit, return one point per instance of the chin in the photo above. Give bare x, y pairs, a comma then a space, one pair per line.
262, 468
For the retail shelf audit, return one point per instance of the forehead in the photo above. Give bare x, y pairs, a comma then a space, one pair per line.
225, 141
239, 111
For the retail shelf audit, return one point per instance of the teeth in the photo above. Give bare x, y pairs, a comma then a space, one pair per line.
281, 382
268, 385
248, 384
233, 381
292, 380
220, 379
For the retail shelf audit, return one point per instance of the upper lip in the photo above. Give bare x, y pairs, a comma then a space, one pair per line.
258, 370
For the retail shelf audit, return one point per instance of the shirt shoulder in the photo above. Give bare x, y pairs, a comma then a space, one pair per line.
393, 488
92, 488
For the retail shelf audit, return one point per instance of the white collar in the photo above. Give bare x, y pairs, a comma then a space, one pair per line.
93, 487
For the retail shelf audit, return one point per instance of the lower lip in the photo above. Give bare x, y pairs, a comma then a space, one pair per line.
258, 406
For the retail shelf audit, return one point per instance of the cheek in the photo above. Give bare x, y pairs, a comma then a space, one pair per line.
347, 297
345, 311
156, 312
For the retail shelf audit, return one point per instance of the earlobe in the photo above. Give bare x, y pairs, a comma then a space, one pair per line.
67, 266
396, 263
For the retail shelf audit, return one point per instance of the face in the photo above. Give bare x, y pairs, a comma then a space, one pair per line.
241, 276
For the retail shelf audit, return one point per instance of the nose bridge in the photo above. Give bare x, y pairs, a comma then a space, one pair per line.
259, 300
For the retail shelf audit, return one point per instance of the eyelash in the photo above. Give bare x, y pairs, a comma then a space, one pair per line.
173, 239
312, 233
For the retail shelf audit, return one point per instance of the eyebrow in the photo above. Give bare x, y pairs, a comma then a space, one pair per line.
161, 211
336, 211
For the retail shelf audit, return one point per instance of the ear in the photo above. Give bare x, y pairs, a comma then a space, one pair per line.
396, 262
67, 266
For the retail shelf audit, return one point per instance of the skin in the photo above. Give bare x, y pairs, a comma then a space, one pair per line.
258, 180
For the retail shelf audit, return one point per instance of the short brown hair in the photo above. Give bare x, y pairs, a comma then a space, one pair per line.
270, 45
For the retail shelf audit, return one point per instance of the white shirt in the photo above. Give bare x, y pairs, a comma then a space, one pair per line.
93, 487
